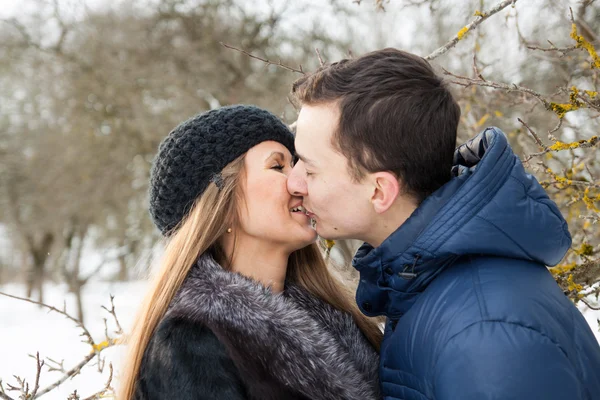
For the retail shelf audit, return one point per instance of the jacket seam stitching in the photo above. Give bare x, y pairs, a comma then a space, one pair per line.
507, 236
477, 287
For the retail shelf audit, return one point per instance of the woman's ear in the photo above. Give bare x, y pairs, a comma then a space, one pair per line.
385, 190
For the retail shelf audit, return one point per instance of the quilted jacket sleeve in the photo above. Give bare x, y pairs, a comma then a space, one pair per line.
500, 360
186, 361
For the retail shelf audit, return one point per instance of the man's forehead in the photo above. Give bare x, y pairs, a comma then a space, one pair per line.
313, 135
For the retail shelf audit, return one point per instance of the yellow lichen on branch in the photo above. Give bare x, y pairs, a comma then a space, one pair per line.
582, 43
589, 201
562, 269
480, 14
97, 347
559, 146
461, 34
559, 179
574, 287
585, 249
572, 105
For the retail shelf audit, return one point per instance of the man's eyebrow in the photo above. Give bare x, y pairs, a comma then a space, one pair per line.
304, 159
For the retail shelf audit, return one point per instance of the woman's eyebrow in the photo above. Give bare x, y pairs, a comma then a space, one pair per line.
276, 153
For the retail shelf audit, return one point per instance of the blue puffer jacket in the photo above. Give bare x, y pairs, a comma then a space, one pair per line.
473, 313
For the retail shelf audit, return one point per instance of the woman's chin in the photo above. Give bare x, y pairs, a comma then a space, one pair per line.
309, 237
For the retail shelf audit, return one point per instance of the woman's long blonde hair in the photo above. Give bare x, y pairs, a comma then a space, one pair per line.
199, 232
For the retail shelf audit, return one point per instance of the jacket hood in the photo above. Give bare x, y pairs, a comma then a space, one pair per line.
490, 207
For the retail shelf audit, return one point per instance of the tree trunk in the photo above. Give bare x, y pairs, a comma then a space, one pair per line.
79, 302
123, 273
39, 255
71, 269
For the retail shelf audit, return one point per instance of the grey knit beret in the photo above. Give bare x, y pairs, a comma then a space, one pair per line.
198, 149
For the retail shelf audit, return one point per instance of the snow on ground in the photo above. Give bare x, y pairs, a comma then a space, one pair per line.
25, 329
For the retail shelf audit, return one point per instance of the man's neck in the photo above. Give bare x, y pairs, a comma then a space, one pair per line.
263, 262
387, 223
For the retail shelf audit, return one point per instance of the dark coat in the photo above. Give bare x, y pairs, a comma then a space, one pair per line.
473, 313
227, 337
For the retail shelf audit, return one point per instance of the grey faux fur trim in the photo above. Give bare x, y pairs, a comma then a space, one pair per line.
295, 338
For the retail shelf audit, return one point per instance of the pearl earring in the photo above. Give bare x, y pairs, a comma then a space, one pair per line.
228, 230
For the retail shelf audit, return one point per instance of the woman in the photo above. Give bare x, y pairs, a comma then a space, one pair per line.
243, 306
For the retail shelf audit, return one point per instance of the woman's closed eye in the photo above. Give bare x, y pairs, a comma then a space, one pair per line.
278, 167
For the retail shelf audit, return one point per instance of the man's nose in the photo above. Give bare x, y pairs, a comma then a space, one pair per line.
296, 184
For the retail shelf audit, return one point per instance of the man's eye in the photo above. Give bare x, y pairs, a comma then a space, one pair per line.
308, 173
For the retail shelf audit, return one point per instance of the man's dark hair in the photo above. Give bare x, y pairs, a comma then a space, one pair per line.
396, 115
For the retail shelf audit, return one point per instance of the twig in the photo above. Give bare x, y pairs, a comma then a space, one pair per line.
476, 69
563, 50
481, 16
3, 395
60, 365
23, 387
268, 62
557, 127
72, 372
107, 386
590, 306
535, 136
568, 182
496, 85
321, 62
112, 312
587, 168
85, 333
39, 366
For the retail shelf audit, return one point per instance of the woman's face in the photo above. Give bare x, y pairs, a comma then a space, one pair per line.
267, 211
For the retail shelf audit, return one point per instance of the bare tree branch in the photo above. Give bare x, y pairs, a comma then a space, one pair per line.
466, 82
112, 312
321, 62
68, 374
38, 372
480, 17
279, 63
78, 323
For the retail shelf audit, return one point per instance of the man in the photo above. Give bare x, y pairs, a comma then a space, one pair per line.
457, 243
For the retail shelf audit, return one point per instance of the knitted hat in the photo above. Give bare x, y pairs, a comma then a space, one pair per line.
197, 150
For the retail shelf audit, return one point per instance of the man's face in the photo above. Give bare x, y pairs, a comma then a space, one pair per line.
340, 206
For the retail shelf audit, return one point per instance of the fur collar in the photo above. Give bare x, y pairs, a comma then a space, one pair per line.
293, 338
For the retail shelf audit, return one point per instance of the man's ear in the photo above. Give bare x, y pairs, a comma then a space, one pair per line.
386, 189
